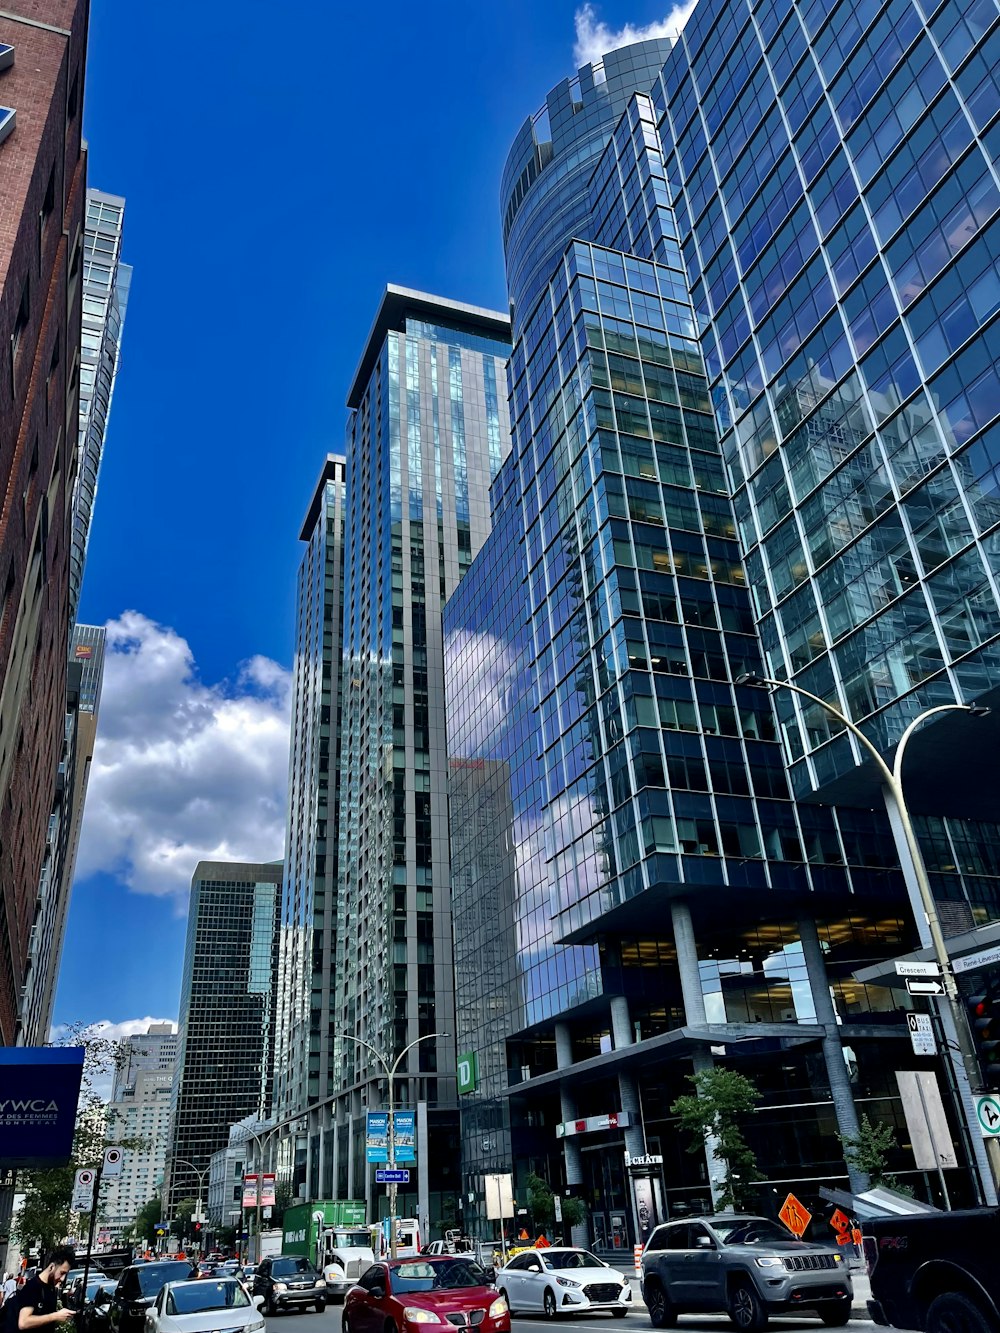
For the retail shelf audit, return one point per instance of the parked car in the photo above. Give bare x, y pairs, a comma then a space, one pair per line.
563, 1279
936, 1272
288, 1281
92, 1315
204, 1307
137, 1289
747, 1266
248, 1274
74, 1295
410, 1293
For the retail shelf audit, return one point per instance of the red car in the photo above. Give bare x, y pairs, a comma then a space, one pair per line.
409, 1295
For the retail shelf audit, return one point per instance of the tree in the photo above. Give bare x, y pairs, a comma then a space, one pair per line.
282, 1199
180, 1223
712, 1113
45, 1217
144, 1225
574, 1211
543, 1212
866, 1152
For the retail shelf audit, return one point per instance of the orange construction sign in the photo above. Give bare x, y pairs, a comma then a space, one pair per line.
841, 1223
796, 1216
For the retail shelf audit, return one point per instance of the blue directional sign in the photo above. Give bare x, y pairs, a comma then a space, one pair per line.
387, 1177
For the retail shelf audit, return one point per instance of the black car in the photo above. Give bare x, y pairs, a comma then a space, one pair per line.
92, 1312
138, 1288
289, 1282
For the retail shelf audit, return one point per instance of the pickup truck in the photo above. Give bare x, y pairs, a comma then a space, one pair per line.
939, 1273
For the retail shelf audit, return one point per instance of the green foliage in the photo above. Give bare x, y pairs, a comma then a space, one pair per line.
282, 1200
721, 1097
574, 1211
543, 1212
866, 1151
143, 1228
45, 1218
180, 1223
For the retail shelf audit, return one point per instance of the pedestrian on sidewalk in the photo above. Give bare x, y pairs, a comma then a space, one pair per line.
36, 1305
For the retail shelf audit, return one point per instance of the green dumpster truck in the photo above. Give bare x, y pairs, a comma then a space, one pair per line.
303, 1228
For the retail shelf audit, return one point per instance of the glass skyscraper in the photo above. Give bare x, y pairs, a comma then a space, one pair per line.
226, 1042
689, 401
106, 283
428, 429
304, 1074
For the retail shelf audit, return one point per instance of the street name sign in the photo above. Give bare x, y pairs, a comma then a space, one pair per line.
391, 1177
914, 968
988, 1115
972, 962
921, 1034
918, 987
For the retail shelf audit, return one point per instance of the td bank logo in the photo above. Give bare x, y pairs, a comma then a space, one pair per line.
468, 1072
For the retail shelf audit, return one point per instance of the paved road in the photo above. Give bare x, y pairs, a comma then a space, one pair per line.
637, 1320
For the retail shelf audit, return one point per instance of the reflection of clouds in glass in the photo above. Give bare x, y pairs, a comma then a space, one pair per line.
480, 670
576, 857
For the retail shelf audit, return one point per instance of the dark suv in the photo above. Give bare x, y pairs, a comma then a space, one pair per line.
748, 1266
288, 1281
137, 1289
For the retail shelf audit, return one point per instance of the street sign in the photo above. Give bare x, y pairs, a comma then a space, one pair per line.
972, 962
917, 987
921, 1034
795, 1215
906, 968
392, 1177
83, 1191
112, 1167
988, 1115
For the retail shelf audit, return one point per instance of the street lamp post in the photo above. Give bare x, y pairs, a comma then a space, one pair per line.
201, 1174
390, 1072
966, 1070
260, 1175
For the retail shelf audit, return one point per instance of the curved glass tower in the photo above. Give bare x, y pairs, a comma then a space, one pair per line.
544, 199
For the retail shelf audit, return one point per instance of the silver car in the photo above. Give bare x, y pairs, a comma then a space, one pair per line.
749, 1267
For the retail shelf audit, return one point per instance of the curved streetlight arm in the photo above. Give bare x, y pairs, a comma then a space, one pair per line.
897, 763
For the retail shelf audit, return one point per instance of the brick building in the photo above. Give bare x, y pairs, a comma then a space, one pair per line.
42, 198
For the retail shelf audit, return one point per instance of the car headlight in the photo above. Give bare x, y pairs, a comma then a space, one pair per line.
568, 1282
498, 1308
413, 1314
321, 1282
769, 1261
281, 1286
256, 1327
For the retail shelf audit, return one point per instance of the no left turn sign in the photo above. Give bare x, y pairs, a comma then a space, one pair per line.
988, 1115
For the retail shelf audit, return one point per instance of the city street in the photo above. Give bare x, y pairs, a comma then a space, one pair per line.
637, 1319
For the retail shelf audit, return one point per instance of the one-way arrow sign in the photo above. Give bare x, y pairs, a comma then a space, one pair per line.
916, 986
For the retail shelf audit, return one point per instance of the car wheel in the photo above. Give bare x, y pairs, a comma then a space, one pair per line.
389, 1327
503, 1292
837, 1314
746, 1309
321, 1307
549, 1303
620, 1311
270, 1309
661, 1312
345, 1326
955, 1313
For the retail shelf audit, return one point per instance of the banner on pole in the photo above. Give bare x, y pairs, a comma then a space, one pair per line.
250, 1190
405, 1136
377, 1137
267, 1198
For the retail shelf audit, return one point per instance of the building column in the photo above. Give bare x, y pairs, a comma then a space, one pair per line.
572, 1159
833, 1051
694, 1016
335, 1131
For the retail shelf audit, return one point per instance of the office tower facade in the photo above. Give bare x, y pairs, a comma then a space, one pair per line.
106, 283
427, 432
674, 907
140, 1110
42, 182
304, 1076
225, 1063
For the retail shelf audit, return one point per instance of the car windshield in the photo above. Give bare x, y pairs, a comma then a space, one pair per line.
750, 1231
290, 1267
354, 1240
421, 1275
153, 1276
572, 1259
190, 1299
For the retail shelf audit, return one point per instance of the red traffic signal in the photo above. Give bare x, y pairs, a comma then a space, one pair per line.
984, 1020
197, 1226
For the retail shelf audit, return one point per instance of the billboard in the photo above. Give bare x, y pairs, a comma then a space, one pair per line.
39, 1091
377, 1137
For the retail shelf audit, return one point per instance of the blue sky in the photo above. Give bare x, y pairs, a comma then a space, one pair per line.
280, 165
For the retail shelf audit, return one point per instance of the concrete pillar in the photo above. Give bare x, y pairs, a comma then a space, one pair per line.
833, 1051
423, 1173
335, 1177
621, 1023
321, 1154
694, 1016
572, 1159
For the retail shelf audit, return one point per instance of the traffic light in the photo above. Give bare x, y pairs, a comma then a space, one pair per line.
197, 1226
984, 1020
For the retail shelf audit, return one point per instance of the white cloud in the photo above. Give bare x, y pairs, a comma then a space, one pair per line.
488, 669
595, 39
182, 771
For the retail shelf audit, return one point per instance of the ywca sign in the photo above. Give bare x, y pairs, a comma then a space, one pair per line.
39, 1091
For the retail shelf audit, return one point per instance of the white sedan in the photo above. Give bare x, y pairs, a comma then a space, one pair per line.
206, 1305
563, 1280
